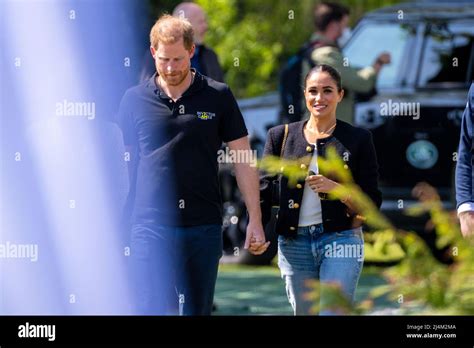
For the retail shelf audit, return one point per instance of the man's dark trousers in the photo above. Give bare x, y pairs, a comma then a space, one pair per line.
174, 269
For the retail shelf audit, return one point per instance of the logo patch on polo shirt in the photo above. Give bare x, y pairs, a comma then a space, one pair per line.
204, 115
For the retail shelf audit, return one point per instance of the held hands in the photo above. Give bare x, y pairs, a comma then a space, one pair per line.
467, 224
255, 239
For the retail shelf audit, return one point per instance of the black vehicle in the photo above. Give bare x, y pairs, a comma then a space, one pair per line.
416, 114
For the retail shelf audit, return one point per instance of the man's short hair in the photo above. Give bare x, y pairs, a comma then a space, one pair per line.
327, 12
169, 30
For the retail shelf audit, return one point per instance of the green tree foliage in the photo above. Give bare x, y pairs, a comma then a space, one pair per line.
251, 36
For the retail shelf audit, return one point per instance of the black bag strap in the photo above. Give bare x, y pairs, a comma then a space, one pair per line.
275, 193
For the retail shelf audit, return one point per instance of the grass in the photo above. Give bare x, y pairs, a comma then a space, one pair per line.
259, 290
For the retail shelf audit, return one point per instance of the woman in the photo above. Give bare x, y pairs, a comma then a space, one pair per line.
312, 228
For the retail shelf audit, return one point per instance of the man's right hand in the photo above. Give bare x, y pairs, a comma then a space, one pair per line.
467, 224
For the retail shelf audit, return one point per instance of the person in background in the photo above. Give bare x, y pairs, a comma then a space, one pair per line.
331, 21
204, 60
465, 171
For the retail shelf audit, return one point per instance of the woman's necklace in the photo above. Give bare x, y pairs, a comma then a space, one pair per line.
327, 131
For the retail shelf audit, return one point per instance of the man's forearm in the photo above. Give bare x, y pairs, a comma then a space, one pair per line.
248, 182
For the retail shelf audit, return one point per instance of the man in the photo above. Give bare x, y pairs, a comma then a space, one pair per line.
204, 59
173, 125
464, 169
331, 20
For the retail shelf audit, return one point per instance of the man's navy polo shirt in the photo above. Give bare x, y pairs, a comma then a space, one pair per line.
177, 175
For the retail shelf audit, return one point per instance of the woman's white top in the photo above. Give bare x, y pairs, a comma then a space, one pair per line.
310, 212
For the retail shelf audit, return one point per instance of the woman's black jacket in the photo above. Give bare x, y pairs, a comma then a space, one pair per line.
354, 145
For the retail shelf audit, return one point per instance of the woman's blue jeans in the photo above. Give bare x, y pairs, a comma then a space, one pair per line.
330, 258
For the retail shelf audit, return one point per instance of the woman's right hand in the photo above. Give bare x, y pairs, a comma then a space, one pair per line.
319, 183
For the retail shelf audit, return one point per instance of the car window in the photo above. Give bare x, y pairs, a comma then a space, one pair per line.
447, 54
374, 38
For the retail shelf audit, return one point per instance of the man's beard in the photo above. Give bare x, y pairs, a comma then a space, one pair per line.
176, 78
